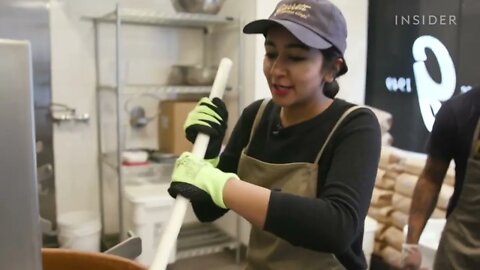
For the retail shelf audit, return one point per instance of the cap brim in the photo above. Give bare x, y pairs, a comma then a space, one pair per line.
302, 33
305, 35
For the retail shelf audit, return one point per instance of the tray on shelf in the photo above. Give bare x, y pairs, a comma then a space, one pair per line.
151, 172
198, 239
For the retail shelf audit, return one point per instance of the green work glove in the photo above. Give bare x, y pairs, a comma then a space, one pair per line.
197, 180
213, 161
209, 117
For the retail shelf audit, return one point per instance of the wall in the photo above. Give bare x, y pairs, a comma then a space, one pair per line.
74, 84
352, 84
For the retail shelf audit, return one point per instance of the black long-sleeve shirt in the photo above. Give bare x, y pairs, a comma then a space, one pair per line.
333, 222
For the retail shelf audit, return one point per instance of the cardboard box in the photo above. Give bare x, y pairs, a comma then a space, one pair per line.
170, 127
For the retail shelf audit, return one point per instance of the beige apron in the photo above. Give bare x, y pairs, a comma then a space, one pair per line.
265, 250
459, 246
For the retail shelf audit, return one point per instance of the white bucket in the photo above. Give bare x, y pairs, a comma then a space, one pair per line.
79, 230
370, 227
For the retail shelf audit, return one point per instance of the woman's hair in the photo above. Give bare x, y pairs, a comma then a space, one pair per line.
330, 55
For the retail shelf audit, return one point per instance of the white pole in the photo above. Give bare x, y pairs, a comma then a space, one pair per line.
174, 223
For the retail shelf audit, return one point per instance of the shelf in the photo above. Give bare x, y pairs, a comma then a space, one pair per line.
179, 19
110, 159
150, 173
202, 238
162, 89
111, 95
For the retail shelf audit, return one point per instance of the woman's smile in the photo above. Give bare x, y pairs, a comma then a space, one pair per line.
281, 90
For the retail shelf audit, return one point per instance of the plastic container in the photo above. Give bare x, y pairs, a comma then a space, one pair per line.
370, 227
79, 230
147, 208
61, 259
429, 240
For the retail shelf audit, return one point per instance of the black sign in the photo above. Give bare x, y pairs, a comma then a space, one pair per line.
420, 54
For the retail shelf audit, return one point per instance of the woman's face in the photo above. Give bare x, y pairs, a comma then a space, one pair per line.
292, 69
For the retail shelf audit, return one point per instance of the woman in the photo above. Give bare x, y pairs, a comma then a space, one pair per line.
300, 167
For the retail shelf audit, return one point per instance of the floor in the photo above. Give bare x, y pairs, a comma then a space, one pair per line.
218, 261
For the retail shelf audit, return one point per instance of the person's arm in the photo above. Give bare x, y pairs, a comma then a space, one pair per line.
424, 200
425, 197
247, 200
440, 151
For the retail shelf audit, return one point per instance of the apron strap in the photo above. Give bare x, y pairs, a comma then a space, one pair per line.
475, 152
339, 121
258, 117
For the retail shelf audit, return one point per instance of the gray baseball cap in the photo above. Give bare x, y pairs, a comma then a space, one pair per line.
316, 23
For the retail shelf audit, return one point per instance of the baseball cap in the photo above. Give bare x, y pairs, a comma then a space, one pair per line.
316, 23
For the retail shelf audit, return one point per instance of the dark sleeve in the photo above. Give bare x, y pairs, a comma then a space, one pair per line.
442, 138
331, 222
208, 211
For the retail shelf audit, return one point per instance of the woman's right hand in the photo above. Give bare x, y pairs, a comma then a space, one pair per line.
209, 117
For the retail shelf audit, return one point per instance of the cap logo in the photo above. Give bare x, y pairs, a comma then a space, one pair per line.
300, 10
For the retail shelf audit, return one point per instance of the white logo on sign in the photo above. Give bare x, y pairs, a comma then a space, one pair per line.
429, 92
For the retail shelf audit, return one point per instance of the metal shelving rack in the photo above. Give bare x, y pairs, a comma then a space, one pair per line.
194, 239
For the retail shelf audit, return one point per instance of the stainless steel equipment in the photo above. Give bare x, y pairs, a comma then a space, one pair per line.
29, 20
20, 221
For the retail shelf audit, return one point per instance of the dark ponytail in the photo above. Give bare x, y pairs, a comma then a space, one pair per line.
330, 55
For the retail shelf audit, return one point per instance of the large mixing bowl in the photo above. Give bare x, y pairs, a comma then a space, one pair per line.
62, 259
201, 75
177, 75
192, 75
198, 6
